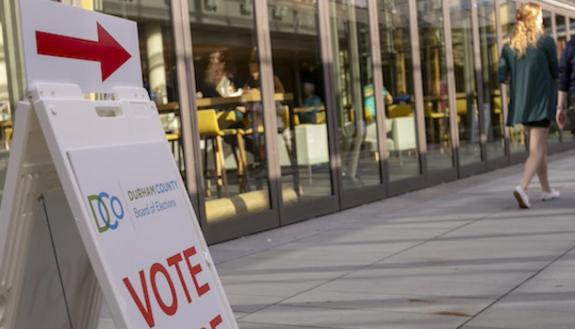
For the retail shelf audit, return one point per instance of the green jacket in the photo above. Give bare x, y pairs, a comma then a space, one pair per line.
533, 80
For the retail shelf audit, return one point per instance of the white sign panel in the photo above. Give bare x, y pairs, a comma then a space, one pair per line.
143, 227
64, 44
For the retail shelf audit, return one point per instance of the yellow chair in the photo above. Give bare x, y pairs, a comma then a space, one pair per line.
209, 129
175, 140
461, 105
399, 110
285, 117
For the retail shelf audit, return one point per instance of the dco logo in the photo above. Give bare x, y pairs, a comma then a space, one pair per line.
107, 211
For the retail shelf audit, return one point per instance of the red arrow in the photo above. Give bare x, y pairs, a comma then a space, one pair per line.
106, 50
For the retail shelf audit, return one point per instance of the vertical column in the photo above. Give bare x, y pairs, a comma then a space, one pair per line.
356, 89
267, 87
186, 88
157, 66
478, 78
331, 86
451, 81
418, 83
502, 87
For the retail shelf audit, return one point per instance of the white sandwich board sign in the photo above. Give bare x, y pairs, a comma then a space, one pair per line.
92, 191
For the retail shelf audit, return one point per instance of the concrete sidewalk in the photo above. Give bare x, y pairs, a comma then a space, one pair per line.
459, 255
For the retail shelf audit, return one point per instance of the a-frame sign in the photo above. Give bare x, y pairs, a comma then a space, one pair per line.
94, 204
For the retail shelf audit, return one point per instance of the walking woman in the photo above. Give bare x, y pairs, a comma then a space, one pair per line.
529, 63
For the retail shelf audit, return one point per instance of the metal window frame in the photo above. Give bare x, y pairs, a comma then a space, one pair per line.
381, 119
324, 16
455, 138
478, 65
418, 87
186, 88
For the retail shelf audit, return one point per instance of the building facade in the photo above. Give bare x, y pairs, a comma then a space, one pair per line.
282, 110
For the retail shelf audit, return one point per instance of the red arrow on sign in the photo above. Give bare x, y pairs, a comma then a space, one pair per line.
106, 50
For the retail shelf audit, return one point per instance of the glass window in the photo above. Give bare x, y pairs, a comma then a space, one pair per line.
300, 93
507, 12
356, 125
572, 27
465, 82
399, 98
230, 111
435, 91
5, 113
492, 106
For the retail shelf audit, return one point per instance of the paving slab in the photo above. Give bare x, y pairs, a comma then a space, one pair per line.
455, 256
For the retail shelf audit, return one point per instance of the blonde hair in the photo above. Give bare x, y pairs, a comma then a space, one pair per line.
526, 31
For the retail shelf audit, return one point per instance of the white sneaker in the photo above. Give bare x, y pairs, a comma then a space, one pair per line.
521, 197
554, 194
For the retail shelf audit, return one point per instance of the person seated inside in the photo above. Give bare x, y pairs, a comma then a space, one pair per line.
218, 80
251, 113
312, 104
369, 101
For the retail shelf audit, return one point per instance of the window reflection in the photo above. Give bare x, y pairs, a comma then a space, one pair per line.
398, 93
303, 138
492, 105
435, 91
230, 111
5, 112
465, 82
357, 128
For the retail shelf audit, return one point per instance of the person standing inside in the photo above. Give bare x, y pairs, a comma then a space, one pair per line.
529, 63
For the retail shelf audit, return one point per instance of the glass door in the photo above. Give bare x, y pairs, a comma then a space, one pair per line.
435, 85
302, 143
355, 110
493, 120
465, 82
230, 116
399, 93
